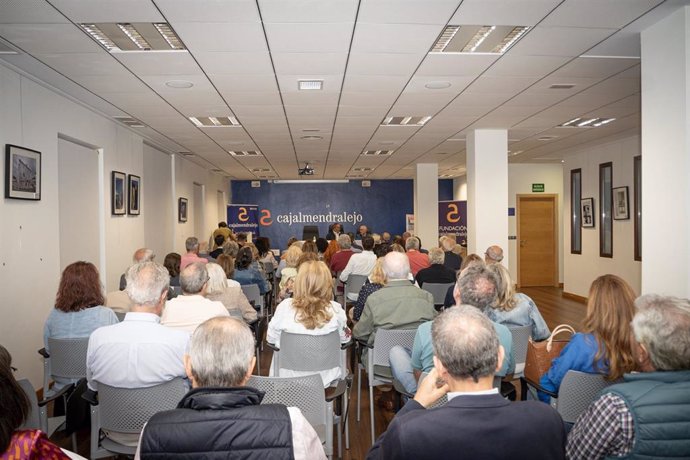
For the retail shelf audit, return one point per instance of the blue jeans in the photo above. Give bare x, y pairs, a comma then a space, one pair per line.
401, 368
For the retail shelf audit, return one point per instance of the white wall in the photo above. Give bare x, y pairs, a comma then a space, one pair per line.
581, 269
157, 204
31, 115
460, 188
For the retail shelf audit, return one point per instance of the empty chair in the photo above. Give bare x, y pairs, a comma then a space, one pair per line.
353, 286
126, 410
310, 232
438, 290
253, 294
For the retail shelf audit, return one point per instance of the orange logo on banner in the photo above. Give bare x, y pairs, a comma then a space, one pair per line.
265, 218
242, 216
453, 215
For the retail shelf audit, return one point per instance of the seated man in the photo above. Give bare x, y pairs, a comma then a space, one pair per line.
451, 260
493, 255
646, 416
218, 240
360, 264
436, 272
187, 311
475, 287
138, 352
221, 416
418, 260
340, 259
140, 255
192, 255
398, 305
477, 422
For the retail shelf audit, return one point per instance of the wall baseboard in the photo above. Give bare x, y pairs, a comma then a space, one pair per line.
575, 297
560, 285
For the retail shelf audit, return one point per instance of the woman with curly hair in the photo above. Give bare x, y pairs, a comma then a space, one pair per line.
311, 311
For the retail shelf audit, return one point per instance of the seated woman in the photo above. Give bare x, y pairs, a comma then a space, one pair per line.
16, 443
231, 297
172, 263
605, 344
375, 281
311, 311
78, 308
332, 248
292, 256
246, 274
514, 308
227, 263
263, 245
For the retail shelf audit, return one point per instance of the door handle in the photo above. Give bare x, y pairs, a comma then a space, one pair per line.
522, 243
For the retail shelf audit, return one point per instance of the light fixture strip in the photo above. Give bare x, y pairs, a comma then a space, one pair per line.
510, 39
215, 121
134, 35
445, 38
169, 35
478, 39
98, 35
586, 122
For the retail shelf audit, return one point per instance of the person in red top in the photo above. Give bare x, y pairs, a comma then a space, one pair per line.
192, 255
417, 259
340, 259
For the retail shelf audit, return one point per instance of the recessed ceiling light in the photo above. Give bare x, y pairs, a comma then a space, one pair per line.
131, 122
311, 138
187, 154
437, 85
363, 169
584, 122
179, 84
442, 153
513, 153
216, 170
139, 36
215, 122
244, 153
446, 175
309, 85
311, 130
562, 86
546, 138
405, 121
377, 152
6, 48
478, 39
169, 35
455, 140
261, 170
387, 143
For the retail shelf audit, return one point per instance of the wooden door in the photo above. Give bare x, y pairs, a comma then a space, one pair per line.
537, 247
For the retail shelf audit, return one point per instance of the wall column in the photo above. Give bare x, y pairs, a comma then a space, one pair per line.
426, 204
487, 191
666, 155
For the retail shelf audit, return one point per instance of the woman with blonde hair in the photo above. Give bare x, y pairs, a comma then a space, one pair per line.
311, 311
605, 344
231, 297
515, 308
292, 256
376, 280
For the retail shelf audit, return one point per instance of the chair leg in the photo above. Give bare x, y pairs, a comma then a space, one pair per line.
371, 413
346, 413
74, 442
359, 391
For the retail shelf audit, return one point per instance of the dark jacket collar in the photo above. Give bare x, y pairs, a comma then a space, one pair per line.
470, 401
217, 398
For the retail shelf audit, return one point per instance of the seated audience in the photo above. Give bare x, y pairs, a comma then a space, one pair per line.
340, 259
306, 257
227, 263
140, 255
232, 298
223, 231
204, 252
360, 264
476, 287
241, 239
221, 417
332, 248
395, 247
468, 261
417, 259
375, 281
17, 443
78, 309
311, 311
450, 259
386, 238
334, 231
172, 263
476, 422
436, 272
118, 301
605, 344
362, 231
218, 244
185, 312
231, 248
192, 255
321, 246
310, 246
515, 308
645, 416
397, 305
138, 352
263, 245
493, 255
291, 259
245, 273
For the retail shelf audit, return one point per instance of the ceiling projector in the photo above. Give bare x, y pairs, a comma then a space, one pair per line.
306, 171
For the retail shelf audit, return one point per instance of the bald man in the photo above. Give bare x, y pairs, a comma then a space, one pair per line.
493, 255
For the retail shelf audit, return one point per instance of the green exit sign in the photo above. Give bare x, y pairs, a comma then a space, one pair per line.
538, 188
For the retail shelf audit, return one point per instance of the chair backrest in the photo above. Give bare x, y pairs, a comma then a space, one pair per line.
521, 335
68, 357
306, 393
577, 391
269, 268
120, 316
387, 339
438, 290
307, 353
126, 410
310, 232
354, 284
253, 294
32, 422
442, 400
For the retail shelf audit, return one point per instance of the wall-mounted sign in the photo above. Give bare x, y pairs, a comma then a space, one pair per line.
537, 188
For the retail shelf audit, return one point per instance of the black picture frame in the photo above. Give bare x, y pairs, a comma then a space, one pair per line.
118, 193
133, 195
182, 206
22, 173
587, 212
621, 203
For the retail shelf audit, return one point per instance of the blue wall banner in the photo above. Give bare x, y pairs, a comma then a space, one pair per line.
244, 218
285, 208
452, 219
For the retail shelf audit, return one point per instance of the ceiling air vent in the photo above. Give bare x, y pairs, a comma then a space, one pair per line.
135, 36
405, 121
215, 122
478, 39
131, 122
245, 153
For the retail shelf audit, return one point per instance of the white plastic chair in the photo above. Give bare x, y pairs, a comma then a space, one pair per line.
577, 391
438, 290
353, 286
253, 294
521, 336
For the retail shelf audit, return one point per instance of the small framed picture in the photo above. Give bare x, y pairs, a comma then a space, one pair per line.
118, 193
587, 210
22, 173
133, 196
621, 210
182, 210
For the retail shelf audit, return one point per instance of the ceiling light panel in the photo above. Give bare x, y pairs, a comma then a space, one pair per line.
245, 153
310, 85
131, 122
405, 121
586, 122
140, 36
215, 122
376, 153
478, 39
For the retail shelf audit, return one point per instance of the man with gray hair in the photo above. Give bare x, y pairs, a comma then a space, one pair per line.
646, 416
138, 352
340, 259
451, 260
192, 246
418, 260
140, 255
187, 311
221, 416
398, 305
476, 421
493, 255
436, 272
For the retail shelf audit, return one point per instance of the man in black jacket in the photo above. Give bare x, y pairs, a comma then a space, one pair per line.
221, 415
476, 422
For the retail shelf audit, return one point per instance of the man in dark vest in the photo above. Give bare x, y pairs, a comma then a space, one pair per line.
648, 415
220, 415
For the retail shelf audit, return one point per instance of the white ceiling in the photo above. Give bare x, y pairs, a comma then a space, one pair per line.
245, 57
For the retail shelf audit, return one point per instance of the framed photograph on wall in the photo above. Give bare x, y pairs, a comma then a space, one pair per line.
587, 212
621, 205
22, 173
118, 193
133, 194
182, 210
